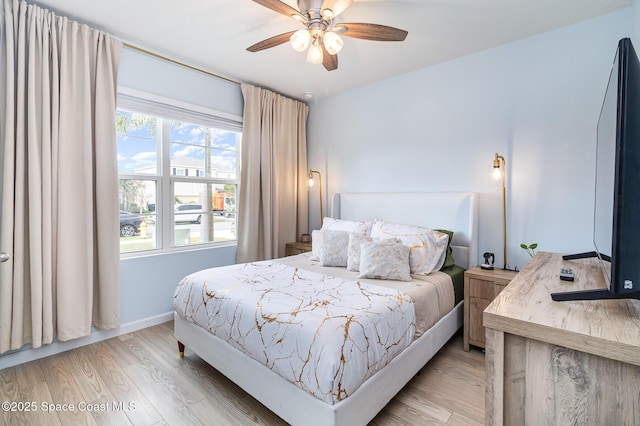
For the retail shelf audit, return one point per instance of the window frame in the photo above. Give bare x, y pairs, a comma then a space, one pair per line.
167, 109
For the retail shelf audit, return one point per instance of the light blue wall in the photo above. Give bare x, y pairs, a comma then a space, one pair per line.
635, 36
535, 101
148, 282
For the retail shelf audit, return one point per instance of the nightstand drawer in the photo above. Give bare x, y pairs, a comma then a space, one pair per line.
484, 289
291, 249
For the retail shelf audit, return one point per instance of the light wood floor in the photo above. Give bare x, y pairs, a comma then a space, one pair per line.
139, 378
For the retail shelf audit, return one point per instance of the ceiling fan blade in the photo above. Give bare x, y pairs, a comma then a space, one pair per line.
330, 62
283, 8
271, 42
336, 7
371, 32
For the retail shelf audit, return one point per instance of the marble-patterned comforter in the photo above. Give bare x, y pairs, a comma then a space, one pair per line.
433, 295
325, 334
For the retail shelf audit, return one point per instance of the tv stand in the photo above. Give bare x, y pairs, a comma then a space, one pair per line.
554, 363
595, 294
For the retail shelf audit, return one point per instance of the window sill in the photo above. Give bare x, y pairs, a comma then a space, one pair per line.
174, 250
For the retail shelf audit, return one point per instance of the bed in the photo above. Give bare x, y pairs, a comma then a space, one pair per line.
455, 211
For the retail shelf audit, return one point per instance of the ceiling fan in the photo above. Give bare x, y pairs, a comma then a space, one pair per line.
321, 32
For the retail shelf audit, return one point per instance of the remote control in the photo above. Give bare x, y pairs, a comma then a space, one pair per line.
566, 274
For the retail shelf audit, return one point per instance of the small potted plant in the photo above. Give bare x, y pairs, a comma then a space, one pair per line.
530, 249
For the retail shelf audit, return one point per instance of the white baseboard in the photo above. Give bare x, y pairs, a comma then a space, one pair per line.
26, 355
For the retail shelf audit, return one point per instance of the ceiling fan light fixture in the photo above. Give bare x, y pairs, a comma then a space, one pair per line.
315, 54
327, 14
322, 35
333, 42
300, 40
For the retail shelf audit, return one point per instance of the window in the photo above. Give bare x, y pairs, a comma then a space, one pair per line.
179, 173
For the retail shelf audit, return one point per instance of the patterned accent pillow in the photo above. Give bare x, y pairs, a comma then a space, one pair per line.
384, 261
355, 241
357, 226
428, 247
329, 223
334, 249
353, 252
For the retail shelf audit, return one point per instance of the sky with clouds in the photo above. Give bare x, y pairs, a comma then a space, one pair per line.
138, 147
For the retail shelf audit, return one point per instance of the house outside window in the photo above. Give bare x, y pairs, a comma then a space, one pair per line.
179, 176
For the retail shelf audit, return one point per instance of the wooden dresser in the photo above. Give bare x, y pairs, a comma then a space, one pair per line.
561, 362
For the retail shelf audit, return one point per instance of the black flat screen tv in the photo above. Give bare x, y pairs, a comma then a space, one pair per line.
616, 229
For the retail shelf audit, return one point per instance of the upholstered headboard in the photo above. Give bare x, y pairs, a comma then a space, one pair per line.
455, 211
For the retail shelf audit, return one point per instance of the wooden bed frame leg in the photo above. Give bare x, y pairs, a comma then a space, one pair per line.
181, 349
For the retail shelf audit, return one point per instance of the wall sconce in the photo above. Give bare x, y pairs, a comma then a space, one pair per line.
499, 171
312, 184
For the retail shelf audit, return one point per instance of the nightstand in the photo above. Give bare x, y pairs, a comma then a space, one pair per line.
481, 286
292, 249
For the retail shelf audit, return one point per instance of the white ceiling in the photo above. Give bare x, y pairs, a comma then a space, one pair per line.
213, 35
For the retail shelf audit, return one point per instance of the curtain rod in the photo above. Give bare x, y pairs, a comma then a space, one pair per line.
164, 58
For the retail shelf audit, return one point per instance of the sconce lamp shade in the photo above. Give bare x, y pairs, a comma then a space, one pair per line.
312, 186
496, 175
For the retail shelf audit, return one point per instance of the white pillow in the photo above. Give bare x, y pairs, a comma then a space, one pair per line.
316, 243
357, 226
355, 241
334, 249
384, 261
428, 247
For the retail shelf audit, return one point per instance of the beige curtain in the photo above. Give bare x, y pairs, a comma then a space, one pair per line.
274, 192
59, 218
